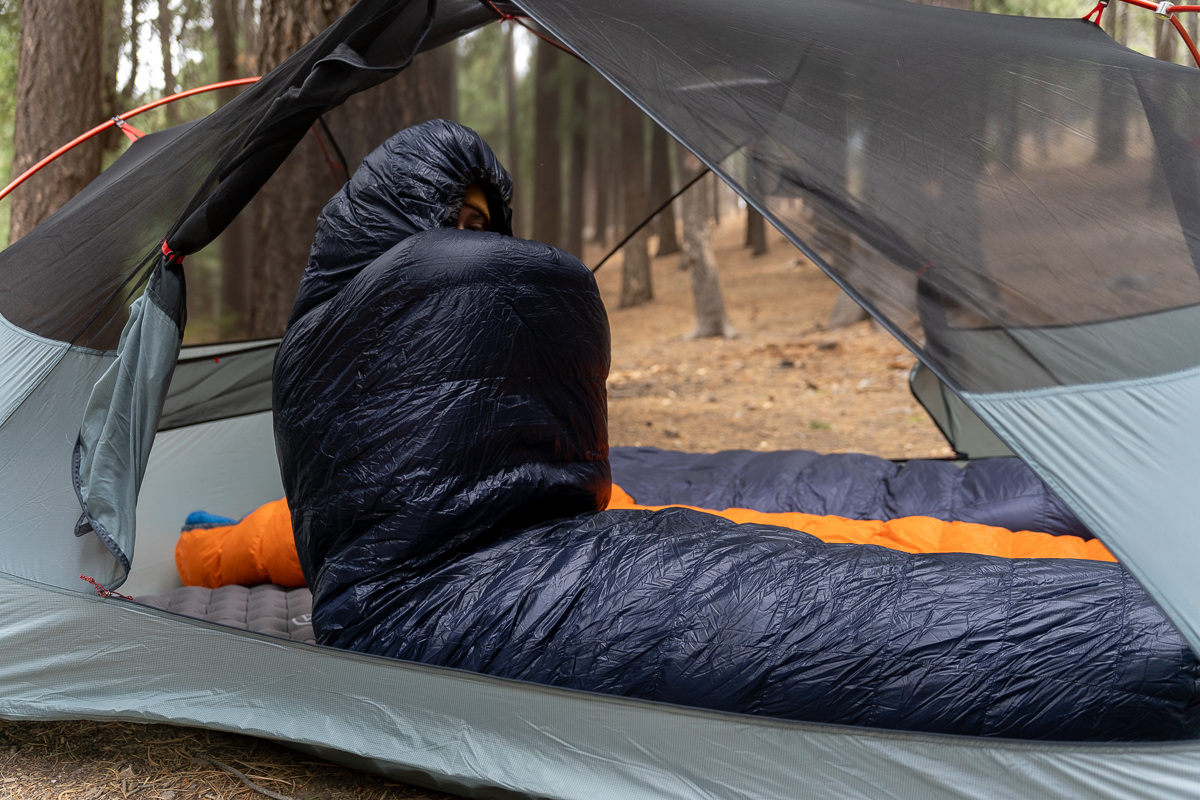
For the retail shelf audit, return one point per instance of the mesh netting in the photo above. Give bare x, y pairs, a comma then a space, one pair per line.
1018, 197
72, 277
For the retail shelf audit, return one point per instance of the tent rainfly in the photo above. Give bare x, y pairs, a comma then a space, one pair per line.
1017, 199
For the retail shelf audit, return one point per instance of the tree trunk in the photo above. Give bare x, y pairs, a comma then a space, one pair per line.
59, 76
601, 156
714, 196
422, 92
1112, 133
660, 190
235, 261
510, 98
250, 26
284, 214
135, 34
1165, 38
698, 257
1110, 19
636, 285
165, 37
579, 151
547, 153
110, 57
756, 231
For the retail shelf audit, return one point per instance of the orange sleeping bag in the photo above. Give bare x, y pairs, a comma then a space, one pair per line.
260, 548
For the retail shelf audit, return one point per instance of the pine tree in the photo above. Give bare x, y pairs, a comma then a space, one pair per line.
547, 153
636, 283
59, 91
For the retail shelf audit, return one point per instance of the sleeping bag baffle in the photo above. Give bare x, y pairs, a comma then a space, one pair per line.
440, 419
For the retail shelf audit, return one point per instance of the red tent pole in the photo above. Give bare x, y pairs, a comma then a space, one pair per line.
24, 176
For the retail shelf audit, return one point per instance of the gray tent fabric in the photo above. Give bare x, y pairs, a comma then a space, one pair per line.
218, 381
961, 426
1121, 445
226, 465
38, 505
1124, 457
122, 415
25, 361
491, 738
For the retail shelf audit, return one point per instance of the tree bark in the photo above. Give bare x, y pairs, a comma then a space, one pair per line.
284, 214
235, 258
714, 196
59, 75
250, 48
165, 37
660, 190
510, 98
602, 156
579, 152
697, 256
1110, 19
547, 154
756, 231
110, 57
422, 92
135, 31
636, 284
1165, 39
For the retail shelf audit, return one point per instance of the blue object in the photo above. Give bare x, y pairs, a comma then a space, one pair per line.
991, 491
203, 519
441, 427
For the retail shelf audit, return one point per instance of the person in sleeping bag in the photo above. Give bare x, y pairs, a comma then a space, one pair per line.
440, 417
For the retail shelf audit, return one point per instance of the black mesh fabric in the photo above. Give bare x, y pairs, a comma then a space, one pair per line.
1018, 197
72, 277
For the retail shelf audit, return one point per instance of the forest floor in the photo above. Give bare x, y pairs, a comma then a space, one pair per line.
784, 383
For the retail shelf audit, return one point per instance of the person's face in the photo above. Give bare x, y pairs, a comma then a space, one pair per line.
469, 219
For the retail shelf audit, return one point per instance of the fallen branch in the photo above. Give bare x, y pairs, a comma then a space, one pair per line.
242, 777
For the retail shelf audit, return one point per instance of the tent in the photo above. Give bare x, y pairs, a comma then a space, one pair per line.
1016, 199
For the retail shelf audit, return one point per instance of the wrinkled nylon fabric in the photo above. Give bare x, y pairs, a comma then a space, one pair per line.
441, 430
415, 181
1001, 492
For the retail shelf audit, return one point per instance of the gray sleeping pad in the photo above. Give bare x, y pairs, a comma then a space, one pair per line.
269, 609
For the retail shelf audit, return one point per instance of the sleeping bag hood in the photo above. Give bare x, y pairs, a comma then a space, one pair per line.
415, 181
436, 387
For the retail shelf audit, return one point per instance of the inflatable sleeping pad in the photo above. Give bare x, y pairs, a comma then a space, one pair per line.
440, 422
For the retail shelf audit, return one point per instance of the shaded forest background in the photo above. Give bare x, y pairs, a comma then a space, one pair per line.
588, 165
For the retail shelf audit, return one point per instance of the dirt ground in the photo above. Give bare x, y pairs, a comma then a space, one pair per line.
122, 761
784, 383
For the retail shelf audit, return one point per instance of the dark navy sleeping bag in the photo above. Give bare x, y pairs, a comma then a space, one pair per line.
441, 426
1003, 492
